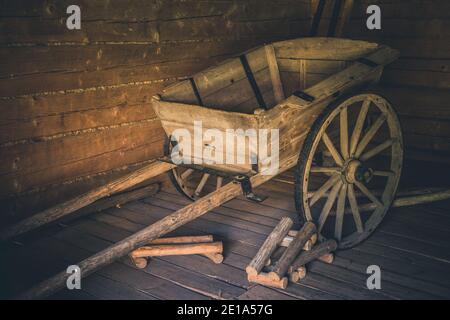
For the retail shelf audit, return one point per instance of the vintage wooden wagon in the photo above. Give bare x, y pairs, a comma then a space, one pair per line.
345, 142
317, 113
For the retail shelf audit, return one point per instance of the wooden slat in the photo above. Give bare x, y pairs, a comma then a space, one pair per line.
274, 73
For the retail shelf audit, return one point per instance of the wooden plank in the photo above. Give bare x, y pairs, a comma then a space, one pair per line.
398, 28
61, 81
37, 30
96, 10
263, 293
13, 131
84, 156
102, 56
274, 73
344, 17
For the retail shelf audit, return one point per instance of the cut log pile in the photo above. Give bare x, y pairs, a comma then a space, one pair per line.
202, 245
285, 253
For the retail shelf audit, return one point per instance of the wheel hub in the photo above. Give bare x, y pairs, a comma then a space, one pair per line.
355, 170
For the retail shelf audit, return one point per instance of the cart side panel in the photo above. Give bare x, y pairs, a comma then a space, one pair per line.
305, 62
225, 86
179, 116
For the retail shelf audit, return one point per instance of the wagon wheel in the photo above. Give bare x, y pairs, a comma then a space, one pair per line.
349, 168
193, 183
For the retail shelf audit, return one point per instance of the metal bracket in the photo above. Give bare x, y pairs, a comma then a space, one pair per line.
304, 96
246, 186
367, 62
251, 79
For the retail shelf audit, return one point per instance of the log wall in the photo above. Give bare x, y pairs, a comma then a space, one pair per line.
75, 103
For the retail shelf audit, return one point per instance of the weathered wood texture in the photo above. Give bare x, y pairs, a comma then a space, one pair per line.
75, 104
269, 246
293, 249
418, 83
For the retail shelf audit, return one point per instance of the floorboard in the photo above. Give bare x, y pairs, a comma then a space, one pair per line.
412, 248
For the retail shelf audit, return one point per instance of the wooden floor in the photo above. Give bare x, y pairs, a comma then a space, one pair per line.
412, 247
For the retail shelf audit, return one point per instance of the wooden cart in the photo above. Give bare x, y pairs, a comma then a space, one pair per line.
344, 142
326, 129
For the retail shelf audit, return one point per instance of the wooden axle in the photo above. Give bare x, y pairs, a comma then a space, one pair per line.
177, 249
292, 251
183, 239
266, 280
141, 263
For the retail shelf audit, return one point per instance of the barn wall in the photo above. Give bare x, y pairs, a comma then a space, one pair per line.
75, 109
418, 83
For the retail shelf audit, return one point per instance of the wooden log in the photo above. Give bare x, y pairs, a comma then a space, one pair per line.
277, 254
217, 258
266, 280
153, 231
63, 209
183, 239
285, 243
288, 239
318, 251
269, 246
292, 251
177, 249
297, 275
327, 258
139, 263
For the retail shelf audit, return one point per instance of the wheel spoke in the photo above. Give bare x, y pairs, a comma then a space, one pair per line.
219, 182
368, 194
358, 126
186, 174
321, 191
325, 169
327, 207
369, 135
376, 150
344, 133
330, 146
201, 185
340, 212
355, 209
383, 173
